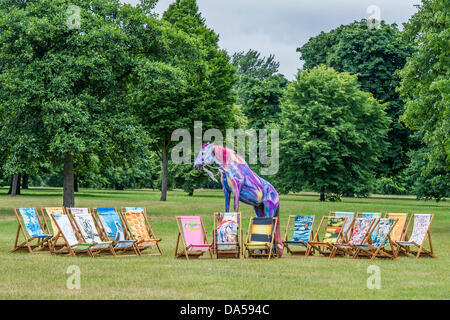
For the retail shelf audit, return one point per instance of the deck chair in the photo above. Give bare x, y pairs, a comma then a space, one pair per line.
377, 216
192, 236
361, 231
303, 226
31, 228
73, 241
111, 227
260, 241
89, 230
139, 229
420, 232
47, 212
333, 234
227, 235
348, 224
382, 239
398, 234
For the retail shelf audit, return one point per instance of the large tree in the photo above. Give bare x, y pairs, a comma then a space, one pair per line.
191, 80
333, 134
374, 55
62, 83
425, 84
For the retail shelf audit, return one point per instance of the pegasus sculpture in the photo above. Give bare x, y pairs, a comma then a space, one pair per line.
238, 179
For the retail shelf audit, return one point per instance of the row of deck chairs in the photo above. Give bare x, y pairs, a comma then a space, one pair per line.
84, 231
366, 234
340, 233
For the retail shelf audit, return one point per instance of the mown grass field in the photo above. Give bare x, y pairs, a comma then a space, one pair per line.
25, 276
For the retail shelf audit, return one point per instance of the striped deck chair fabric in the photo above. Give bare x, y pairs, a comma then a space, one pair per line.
227, 231
302, 230
261, 233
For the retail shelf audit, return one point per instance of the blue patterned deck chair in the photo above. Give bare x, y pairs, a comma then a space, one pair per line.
381, 240
111, 226
31, 228
89, 230
74, 243
348, 224
372, 215
303, 232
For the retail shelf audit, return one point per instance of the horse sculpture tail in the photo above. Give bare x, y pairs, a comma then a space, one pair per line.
278, 233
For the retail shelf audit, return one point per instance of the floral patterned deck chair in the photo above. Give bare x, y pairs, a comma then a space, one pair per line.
140, 229
333, 234
89, 230
371, 215
74, 243
192, 236
303, 225
111, 225
360, 235
382, 239
420, 232
31, 228
260, 240
227, 232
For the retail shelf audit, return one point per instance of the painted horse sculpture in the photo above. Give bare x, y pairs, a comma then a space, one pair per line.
238, 179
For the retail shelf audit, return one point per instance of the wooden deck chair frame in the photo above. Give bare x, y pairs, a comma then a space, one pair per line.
421, 251
344, 248
380, 251
109, 249
271, 247
286, 245
185, 253
228, 253
60, 243
120, 252
348, 232
317, 245
44, 245
403, 234
143, 245
70, 249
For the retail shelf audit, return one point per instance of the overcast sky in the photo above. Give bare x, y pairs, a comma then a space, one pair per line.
279, 27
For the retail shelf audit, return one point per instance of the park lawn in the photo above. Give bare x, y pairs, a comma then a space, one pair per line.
43, 276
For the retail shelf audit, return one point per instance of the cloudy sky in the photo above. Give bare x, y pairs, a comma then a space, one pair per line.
279, 27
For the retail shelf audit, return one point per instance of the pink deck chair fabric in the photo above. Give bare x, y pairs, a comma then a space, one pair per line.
193, 233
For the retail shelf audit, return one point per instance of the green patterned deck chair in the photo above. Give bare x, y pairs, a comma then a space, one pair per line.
32, 230
348, 224
89, 230
382, 239
227, 232
377, 216
360, 235
333, 234
303, 225
260, 241
72, 239
111, 225
139, 229
420, 232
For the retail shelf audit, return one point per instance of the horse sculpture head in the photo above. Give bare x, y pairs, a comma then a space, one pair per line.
205, 156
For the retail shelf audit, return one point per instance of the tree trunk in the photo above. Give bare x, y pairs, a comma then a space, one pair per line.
322, 194
165, 172
25, 181
69, 196
15, 185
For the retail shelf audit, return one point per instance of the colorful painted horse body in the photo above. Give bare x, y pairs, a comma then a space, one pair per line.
238, 179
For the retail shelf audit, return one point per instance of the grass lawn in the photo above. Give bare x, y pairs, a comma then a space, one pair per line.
25, 276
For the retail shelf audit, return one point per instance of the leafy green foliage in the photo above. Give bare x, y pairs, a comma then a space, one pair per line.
333, 134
